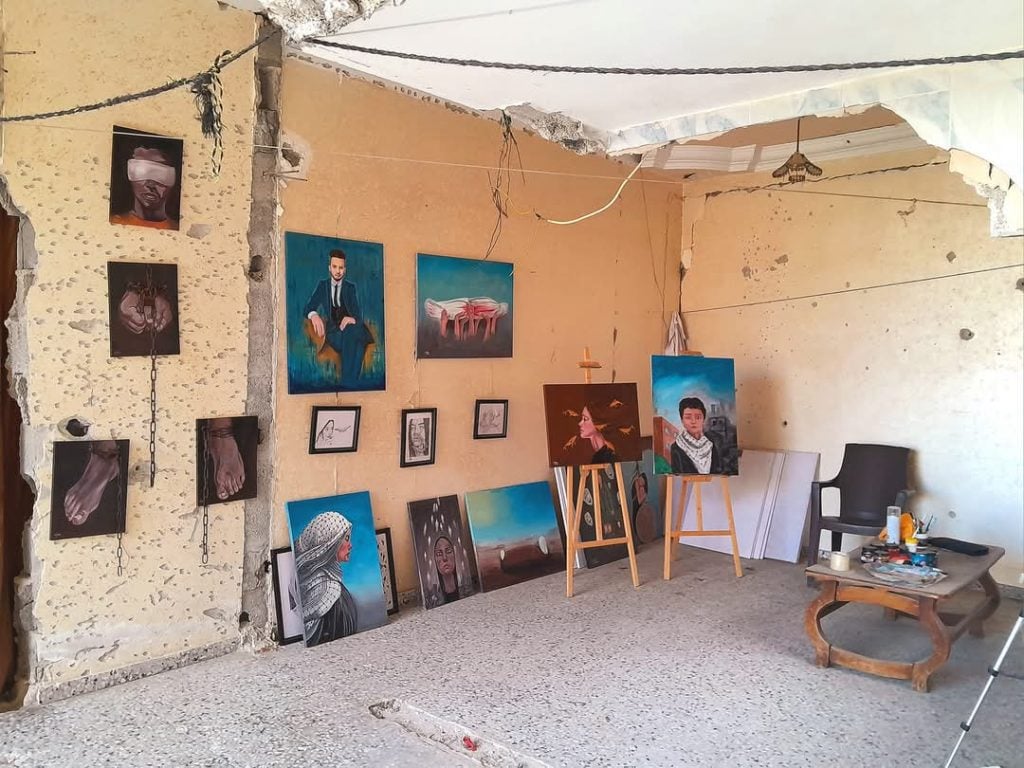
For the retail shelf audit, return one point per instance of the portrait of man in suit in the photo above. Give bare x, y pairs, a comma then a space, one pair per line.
334, 295
335, 318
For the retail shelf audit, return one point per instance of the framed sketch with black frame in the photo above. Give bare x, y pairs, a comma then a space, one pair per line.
490, 419
286, 596
419, 436
334, 429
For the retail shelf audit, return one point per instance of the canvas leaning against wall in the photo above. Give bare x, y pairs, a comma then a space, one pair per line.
463, 307
591, 423
337, 566
90, 486
334, 292
515, 534
440, 546
694, 415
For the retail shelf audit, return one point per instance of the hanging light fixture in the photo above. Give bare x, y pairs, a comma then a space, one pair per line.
798, 166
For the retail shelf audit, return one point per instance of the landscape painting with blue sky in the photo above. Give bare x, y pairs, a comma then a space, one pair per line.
515, 532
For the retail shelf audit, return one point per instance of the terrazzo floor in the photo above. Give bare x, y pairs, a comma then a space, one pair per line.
704, 670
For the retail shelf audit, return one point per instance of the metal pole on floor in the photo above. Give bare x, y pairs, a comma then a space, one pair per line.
993, 673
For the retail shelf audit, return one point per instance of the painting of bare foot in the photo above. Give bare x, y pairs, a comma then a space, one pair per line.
90, 483
226, 459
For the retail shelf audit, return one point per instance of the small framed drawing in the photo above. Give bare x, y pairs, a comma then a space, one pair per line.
419, 436
334, 429
491, 419
286, 596
387, 569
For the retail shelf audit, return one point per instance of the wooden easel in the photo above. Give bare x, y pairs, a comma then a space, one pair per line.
593, 471
674, 528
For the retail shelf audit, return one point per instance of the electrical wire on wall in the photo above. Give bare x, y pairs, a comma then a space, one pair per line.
604, 207
502, 180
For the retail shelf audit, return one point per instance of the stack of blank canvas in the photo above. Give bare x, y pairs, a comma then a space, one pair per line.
770, 500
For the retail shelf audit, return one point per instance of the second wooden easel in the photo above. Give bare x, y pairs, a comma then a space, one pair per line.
593, 472
674, 527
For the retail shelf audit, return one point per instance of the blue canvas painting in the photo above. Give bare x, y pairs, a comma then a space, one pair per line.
464, 307
694, 402
336, 564
515, 533
334, 292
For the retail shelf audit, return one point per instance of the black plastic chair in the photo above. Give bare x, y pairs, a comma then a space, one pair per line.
871, 478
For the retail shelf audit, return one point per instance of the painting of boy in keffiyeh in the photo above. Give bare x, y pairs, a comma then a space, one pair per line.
694, 415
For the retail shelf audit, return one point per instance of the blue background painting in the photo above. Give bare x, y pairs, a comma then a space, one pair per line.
444, 277
508, 514
512, 521
712, 379
361, 574
306, 260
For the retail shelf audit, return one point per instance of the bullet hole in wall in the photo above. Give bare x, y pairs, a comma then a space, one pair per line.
256, 266
75, 427
966, 334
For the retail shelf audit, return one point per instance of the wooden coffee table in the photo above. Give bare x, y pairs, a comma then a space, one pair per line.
858, 586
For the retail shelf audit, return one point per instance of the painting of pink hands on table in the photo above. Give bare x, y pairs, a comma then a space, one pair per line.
464, 307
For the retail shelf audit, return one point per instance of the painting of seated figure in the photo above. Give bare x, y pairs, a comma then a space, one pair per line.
335, 314
464, 307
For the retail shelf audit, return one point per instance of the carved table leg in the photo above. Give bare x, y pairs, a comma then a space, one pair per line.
992, 593
928, 615
812, 622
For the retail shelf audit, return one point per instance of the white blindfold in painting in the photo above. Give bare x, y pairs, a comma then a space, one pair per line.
148, 170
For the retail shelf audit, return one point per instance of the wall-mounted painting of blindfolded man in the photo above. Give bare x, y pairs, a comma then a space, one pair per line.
145, 179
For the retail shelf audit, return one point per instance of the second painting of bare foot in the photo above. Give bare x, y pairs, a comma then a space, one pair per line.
90, 482
226, 459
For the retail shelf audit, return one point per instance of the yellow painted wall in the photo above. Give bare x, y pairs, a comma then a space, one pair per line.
87, 621
882, 364
608, 283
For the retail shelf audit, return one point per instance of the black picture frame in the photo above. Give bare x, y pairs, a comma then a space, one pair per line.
387, 569
486, 435
278, 558
315, 433
409, 455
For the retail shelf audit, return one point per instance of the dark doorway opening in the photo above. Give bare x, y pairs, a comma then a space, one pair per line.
16, 496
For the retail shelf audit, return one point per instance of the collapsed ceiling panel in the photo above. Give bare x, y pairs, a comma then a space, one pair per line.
621, 114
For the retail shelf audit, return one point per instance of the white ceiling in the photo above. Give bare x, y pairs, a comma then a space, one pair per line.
655, 33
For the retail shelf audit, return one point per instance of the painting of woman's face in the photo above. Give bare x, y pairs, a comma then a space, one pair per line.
587, 427
444, 556
344, 550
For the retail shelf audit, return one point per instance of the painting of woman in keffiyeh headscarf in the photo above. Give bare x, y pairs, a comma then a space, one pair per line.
328, 609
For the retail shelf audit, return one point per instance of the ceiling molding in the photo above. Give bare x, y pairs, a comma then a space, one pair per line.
754, 157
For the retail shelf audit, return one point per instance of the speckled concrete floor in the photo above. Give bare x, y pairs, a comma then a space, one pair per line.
705, 670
